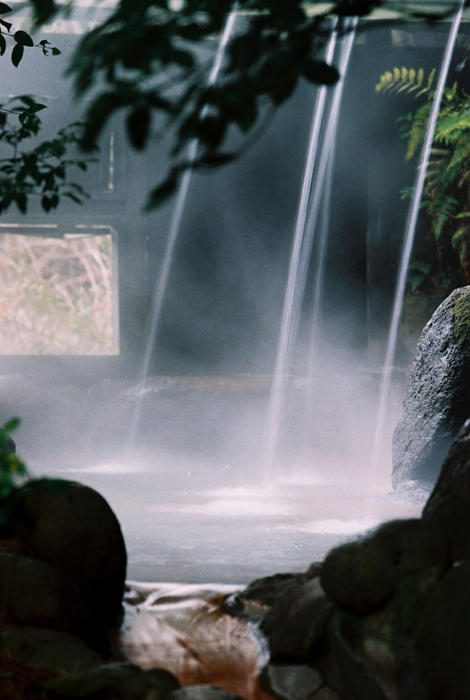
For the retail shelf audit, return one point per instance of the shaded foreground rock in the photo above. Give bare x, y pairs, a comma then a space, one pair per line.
362, 576
442, 643
122, 681
449, 503
295, 625
437, 400
71, 526
49, 650
202, 692
291, 682
36, 594
255, 601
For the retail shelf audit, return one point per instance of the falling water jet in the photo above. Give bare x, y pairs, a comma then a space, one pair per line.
409, 236
162, 280
274, 407
317, 297
301, 249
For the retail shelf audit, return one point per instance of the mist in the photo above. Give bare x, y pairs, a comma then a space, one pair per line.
188, 488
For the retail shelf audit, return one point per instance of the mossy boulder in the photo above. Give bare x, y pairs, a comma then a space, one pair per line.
437, 400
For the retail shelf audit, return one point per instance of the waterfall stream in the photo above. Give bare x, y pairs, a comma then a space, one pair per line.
313, 188
162, 279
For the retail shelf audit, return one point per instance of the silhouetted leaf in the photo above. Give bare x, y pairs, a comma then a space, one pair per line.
320, 72
23, 38
43, 10
56, 51
3, 44
22, 202
161, 193
138, 126
4, 8
7, 25
17, 54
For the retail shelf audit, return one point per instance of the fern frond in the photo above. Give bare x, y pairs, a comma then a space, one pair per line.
459, 236
404, 80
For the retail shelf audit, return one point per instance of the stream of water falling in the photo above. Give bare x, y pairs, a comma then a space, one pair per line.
304, 233
162, 280
408, 241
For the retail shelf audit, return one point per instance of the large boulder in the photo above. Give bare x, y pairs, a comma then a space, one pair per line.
442, 643
295, 624
363, 575
117, 680
449, 503
46, 649
36, 594
71, 526
437, 400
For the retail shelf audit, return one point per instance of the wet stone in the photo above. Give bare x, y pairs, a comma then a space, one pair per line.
260, 595
295, 625
290, 682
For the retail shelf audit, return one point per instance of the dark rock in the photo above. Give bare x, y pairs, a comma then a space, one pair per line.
201, 692
443, 641
437, 400
290, 682
343, 666
71, 526
449, 503
295, 625
363, 575
49, 650
256, 599
387, 634
120, 681
35, 594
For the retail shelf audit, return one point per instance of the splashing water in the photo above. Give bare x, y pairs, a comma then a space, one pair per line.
409, 236
162, 280
302, 245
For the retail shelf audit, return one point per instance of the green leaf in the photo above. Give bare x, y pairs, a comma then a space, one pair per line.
23, 38
17, 54
421, 266
37, 107
56, 51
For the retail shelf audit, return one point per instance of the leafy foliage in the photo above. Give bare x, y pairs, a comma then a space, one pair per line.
149, 59
446, 196
13, 472
42, 170
20, 38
